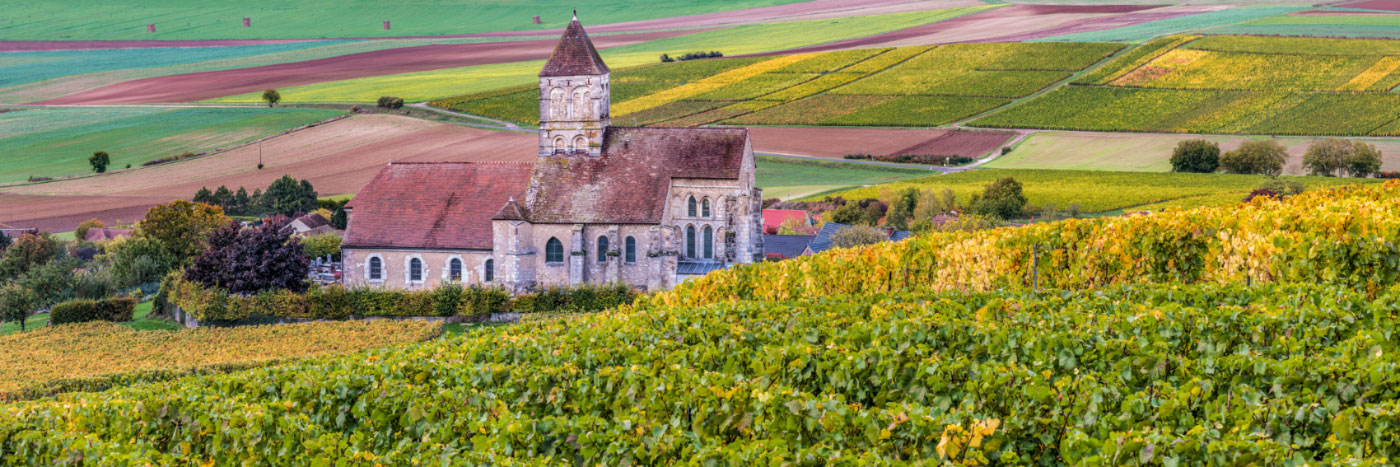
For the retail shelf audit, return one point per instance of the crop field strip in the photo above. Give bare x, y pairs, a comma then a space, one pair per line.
872, 87
1260, 342
1229, 85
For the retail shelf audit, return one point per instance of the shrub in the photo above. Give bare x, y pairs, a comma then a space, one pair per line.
1336, 157
1260, 192
36, 178
329, 302
1196, 155
166, 159
1281, 188
116, 309
856, 236
389, 102
323, 245
481, 301
1264, 157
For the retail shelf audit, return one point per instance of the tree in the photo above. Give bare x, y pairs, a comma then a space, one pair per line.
52, 282
239, 205
902, 212
339, 219
83, 227
849, 214
857, 235
1264, 157
271, 97
287, 196
1336, 157
138, 260
320, 246
203, 196
251, 260
182, 226
28, 252
99, 161
872, 210
4, 242
1002, 199
1195, 155
222, 197
17, 302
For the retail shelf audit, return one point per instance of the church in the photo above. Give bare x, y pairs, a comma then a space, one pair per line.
647, 207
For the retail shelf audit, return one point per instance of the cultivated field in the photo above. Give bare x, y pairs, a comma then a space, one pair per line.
1145, 152
909, 86
787, 178
1100, 192
52, 142
1229, 84
838, 142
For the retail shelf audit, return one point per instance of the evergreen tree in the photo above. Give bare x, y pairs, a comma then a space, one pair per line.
203, 196
240, 202
223, 197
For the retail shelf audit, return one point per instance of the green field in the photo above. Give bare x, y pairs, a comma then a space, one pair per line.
739, 40
58, 141
788, 178
1201, 22
141, 321
1144, 152
1229, 84
205, 19
1381, 25
910, 86
1099, 191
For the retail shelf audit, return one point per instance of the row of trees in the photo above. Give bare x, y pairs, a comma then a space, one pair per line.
287, 196
1330, 157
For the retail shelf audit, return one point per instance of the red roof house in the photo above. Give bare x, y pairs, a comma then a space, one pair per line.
773, 218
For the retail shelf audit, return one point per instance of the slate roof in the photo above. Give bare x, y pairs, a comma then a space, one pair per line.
697, 267
446, 205
790, 246
627, 183
574, 55
822, 242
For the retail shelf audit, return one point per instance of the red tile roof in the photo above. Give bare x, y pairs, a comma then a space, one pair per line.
627, 184
574, 55
445, 205
102, 234
775, 217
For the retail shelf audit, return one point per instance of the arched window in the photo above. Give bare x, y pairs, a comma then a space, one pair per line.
631, 247
690, 240
490, 271
415, 270
690, 207
556, 104
454, 270
580, 143
558, 144
705, 208
602, 249
553, 251
580, 105
709, 243
376, 269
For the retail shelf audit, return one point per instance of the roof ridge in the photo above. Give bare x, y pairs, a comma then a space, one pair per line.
465, 163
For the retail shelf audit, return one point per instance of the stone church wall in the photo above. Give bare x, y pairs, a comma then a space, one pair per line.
394, 273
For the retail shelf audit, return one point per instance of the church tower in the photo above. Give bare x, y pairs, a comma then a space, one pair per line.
574, 96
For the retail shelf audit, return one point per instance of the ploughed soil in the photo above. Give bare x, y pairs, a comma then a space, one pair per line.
338, 157
1014, 23
1391, 5
191, 87
838, 142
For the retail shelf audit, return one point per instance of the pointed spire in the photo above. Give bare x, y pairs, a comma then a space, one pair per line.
575, 54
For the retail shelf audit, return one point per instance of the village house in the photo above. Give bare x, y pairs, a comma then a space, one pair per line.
647, 207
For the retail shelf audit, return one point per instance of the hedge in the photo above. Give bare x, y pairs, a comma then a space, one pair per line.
116, 309
337, 302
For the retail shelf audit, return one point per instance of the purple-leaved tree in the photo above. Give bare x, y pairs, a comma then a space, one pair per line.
251, 260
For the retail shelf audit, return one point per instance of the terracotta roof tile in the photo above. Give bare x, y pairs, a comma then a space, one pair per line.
627, 183
433, 205
574, 55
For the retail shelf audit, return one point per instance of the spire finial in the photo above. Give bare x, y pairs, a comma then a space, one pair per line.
575, 14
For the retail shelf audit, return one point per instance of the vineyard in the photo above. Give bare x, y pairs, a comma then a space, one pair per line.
97, 355
1246, 335
907, 86
1229, 84
1096, 191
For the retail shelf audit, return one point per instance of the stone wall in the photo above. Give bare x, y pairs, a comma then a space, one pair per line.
395, 269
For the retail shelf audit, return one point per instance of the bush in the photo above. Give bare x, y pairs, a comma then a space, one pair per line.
1281, 188
1196, 155
482, 301
117, 310
166, 159
856, 236
1002, 199
389, 102
1264, 157
1386, 175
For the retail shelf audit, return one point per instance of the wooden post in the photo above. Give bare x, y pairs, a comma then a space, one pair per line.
386, 25
247, 21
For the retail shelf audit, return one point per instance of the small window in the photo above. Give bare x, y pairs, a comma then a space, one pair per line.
553, 251
559, 144
376, 269
490, 271
580, 144
454, 270
709, 243
602, 249
691, 211
690, 242
415, 270
705, 208
631, 246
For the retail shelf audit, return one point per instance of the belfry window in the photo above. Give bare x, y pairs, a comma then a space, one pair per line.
690, 205
705, 208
